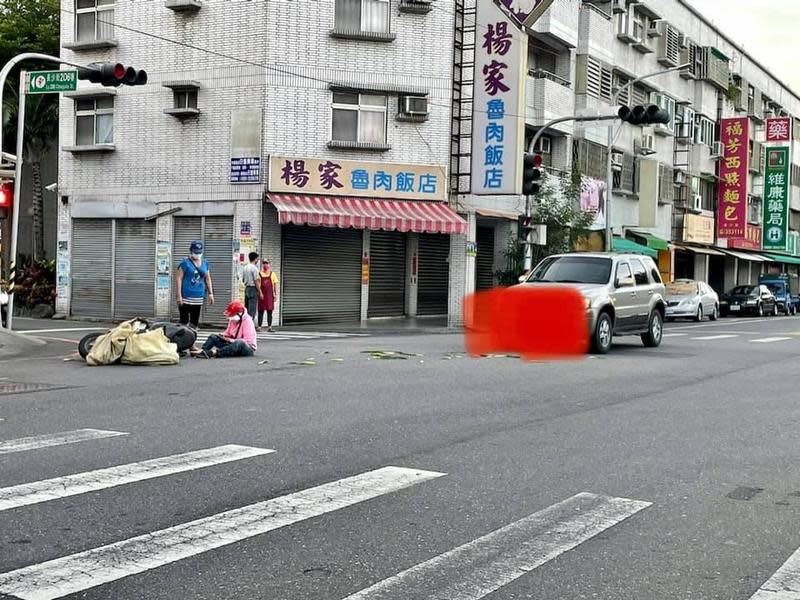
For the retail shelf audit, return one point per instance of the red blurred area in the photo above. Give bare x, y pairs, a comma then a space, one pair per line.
534, 322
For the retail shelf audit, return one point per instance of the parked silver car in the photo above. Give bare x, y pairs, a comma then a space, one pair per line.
624, 293
689, 299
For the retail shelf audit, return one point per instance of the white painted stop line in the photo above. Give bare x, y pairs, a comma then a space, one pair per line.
84, 570
784, 584
101, 479
482, 566
770, 340
55, 439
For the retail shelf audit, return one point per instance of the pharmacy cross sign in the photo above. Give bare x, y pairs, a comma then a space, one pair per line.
523, 12
52, 82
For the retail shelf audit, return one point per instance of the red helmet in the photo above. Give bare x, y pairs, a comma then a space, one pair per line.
235, 307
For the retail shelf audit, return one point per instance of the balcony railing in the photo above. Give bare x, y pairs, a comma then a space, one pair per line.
542, 74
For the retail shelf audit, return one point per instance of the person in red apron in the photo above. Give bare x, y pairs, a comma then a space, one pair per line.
269, 294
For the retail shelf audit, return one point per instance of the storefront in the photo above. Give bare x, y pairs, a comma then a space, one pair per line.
374, 244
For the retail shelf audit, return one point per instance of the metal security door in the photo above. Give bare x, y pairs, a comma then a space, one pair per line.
92, 268
184, 231
433, 274
134, 268
321, 275
387, 274
218, 240
484, 262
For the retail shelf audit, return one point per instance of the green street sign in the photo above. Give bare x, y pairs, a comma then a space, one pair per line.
776, 199
52, 82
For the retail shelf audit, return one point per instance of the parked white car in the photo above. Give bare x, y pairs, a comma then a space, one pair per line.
689, 299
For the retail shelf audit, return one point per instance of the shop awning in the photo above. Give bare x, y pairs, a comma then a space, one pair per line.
651, 241
626, 245
497, 214
364, 213
752, 257
698, 250
784, 258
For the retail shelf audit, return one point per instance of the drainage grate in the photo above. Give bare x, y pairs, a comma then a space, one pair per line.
13, 387
744, 493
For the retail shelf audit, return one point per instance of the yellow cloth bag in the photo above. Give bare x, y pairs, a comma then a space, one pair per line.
124, 344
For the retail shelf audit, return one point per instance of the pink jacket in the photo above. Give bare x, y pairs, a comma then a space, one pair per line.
246, 332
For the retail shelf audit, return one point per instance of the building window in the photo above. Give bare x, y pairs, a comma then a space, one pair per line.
362, 15
708, 191
359, 118
667, 104
685, 122
751, 100
94, 20
704, 132
94, 121
183, 99
598, 79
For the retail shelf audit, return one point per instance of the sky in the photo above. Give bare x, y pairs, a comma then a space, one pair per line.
767, 29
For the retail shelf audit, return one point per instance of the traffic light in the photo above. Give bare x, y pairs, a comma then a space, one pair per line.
531, 174
112, 74
6, 198
524, 225
644, 115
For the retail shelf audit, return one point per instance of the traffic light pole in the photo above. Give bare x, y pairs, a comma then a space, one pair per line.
529, 199
610, 147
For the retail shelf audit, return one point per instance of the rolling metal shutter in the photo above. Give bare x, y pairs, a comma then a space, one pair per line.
217, 235
433, 274
134, 268
91, 267
218, 240
321, 274
387, 274
484, 262
184, 231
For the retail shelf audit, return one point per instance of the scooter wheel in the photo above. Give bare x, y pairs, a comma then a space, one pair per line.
87, 343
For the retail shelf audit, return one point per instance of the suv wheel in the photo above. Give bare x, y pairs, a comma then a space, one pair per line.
655, 331
603, 333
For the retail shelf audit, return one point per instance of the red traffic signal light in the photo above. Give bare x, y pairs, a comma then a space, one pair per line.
112, 74
6, 194
531, 173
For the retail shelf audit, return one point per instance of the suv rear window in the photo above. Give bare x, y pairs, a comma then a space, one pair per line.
639, 272
572, 269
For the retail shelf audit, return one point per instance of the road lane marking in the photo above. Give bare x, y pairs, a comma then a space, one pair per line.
38, 331
716, 337
55, 439
486, 564
88, 569
674, 334
784, 583
101, 479
769, 340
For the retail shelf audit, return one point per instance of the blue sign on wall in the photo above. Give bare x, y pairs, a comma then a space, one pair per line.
246, 169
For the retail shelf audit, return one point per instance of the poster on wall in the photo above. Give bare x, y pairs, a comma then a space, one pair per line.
498, 116
732, 187
593, 199
245, 160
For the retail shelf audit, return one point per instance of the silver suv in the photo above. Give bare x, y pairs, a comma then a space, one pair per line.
624, 293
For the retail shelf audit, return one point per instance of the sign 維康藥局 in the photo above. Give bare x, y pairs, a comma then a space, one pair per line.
732, 187
524, 12
498, 115
776, 198
333, 177
50, 82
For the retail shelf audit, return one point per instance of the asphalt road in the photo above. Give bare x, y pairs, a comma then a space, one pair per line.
669, 473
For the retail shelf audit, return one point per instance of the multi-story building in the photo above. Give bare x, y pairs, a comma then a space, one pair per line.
260, 122
665, 177
335, 138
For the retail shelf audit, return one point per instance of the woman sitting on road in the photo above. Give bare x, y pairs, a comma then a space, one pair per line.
239, 339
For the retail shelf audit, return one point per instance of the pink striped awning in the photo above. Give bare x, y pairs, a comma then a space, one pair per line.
365, 213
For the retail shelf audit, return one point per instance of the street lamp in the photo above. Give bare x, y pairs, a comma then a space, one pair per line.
609, 173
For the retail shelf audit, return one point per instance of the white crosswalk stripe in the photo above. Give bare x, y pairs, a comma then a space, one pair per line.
480, 567
101, 479
770, 340
784, 584
88, 569
715, 337
55, 439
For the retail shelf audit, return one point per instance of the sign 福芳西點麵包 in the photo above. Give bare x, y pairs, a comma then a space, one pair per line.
732, 187
51, 82
333, 177
776, 198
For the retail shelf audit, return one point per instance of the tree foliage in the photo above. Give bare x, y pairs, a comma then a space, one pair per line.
29, 26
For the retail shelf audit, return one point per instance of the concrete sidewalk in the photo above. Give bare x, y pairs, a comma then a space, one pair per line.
13, 344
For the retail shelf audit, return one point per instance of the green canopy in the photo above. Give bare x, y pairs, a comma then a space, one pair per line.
625, 245
783, 258
651, 241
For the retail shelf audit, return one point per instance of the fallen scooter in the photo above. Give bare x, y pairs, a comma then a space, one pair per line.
182, 336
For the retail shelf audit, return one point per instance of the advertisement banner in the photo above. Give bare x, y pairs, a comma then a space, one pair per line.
750, 241
779, 129
333, 177
245, 146
732, 188
776, 198
498, 116
698, 229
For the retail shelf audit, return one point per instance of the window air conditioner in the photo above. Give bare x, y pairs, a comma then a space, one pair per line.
717, 151
655, 29
616, 161
697, 203
647, 145
416, 106
680, 178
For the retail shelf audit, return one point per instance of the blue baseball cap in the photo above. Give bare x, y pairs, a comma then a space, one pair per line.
196, 247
